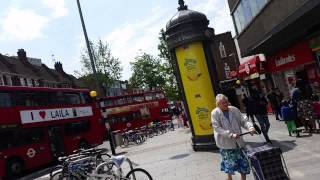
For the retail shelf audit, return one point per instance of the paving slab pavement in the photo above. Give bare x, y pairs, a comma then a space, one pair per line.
170, 156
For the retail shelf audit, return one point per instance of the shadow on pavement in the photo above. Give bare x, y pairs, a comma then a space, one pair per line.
179, 156
284, 145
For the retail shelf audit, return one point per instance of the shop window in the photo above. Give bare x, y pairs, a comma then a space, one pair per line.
222, 50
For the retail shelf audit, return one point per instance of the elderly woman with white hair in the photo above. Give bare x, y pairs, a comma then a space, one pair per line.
227, 122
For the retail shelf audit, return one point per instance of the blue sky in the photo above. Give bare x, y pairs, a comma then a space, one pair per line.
52, 27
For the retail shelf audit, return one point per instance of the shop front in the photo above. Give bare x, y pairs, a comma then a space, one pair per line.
253, 75
296, 63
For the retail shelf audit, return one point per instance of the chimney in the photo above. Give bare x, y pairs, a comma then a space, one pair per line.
58, 66
22, 55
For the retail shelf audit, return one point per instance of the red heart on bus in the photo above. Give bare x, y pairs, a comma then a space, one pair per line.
42, 114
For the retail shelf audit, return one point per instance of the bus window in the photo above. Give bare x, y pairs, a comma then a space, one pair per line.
159, 95
120, 101
72, 98
31, 135
60, 98
138, 99
149, 97
129, 100
6, 139
76, 127
85, 98
43, 98
26, 99
108, 102
5, 100
124, 119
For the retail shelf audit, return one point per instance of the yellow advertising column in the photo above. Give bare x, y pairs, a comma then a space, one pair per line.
187, 37
197, 86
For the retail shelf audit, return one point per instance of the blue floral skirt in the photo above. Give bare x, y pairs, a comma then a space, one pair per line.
234, 160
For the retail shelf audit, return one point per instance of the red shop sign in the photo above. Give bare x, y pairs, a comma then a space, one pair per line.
251, 66
288, 58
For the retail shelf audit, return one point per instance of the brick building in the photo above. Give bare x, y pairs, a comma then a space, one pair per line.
226, 60
24, 71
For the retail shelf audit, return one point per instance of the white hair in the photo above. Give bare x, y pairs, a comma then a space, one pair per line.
220, 97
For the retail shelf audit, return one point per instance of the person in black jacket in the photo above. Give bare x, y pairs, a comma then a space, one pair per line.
262, 115
248, 102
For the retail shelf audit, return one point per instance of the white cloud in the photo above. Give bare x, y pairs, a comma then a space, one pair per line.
129, 39
22, 24
58, 7
218, 13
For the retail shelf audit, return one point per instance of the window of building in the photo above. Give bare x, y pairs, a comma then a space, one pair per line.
25, 81
246, 11
5, 82
9, 81
1, 81
22, 81
222, 50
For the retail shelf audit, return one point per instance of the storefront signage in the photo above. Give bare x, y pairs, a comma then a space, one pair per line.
298, 54
285, 60
249, 67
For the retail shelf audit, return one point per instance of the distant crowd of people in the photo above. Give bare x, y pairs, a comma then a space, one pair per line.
302, 108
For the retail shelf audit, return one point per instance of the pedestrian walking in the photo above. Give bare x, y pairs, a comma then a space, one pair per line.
248, 103
261, 114
275, 102
227, 122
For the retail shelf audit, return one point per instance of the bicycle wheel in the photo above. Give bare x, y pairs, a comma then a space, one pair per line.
138, 174
55, 170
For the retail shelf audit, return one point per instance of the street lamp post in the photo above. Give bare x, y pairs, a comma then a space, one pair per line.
88, 47
111, 140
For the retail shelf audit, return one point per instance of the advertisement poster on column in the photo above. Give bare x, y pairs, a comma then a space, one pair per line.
197, 86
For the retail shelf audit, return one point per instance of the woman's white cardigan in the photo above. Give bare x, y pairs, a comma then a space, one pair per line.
223, 129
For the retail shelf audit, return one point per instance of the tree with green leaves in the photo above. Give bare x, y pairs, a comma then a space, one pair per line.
107, 66
148, 72
171, 86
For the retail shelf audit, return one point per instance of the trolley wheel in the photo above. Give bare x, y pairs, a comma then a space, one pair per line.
138, 174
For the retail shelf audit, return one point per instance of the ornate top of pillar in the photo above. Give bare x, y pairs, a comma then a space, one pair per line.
182, 6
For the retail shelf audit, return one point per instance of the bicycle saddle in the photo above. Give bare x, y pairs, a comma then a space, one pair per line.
118, 160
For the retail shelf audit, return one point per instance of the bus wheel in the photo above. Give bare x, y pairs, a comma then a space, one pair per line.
83, 144
14, 167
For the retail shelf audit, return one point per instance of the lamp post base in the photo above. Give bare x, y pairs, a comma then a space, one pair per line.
203, 143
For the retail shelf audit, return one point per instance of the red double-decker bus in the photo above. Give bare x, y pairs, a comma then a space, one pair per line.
135, 109
40, 124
